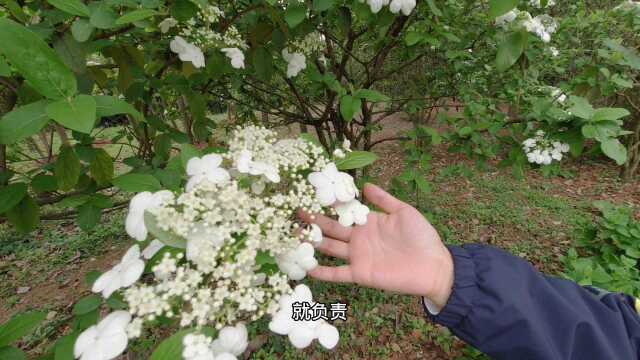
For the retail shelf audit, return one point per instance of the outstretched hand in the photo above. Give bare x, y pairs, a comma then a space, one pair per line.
396, 250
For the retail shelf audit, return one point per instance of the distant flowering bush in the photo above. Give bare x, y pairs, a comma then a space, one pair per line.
224, 250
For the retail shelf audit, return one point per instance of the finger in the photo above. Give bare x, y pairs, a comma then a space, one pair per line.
338, 274
329, 227
335, 248
383, 199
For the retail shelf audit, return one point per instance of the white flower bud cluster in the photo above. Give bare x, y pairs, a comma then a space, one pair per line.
542, 26
543, 151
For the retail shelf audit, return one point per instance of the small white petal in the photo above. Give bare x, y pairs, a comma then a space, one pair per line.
328, 335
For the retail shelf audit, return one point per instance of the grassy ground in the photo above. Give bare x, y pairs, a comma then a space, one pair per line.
533, 219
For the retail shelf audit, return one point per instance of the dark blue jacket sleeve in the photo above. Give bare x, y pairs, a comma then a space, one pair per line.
505, 308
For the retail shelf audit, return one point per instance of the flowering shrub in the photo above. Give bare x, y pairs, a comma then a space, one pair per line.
222, 252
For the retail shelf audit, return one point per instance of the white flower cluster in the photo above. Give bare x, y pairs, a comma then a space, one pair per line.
198, 33
538, 3
233, 244
542, 26
395, 6
296, 62
302, 333
543, 151
231, 342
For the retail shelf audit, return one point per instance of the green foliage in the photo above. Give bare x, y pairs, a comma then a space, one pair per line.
19, 326
607, 254
356, 160
171, 348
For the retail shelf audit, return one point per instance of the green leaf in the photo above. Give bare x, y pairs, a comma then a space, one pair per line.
322, 5
44, 183
615, 150
74, 201
88, 216
73, 7
77, 113
81, 30
168, 238
111, 105
25, 216
501, 7
171, 348
434, 9
63, 349
102, 167
103, 17
349, 106
11, 195
19, 326
465, 131
82, 322
37, 63
295, 14
263, 62
137, 183
12, 353
371, 95
422, 184
581, 108
67, 168
356, 160
87, 304
135, 15
609, 114
510, 50
183, 10
23, 122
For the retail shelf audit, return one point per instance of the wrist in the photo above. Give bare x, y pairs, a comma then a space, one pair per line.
443, 280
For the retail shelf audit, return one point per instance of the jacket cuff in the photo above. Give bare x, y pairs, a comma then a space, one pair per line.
463, 292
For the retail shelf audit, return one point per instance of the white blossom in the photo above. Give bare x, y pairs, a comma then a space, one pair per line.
332, 185
124, 274
134, 224
246, 165
376, 5
542, 151
104, 341
236, 56
339, 153
205, 168
504, 20
538, 3
187, 51
352, 212
296, 62
154, 246
406, 6
302, 333
297, 262
166, 24
231, 340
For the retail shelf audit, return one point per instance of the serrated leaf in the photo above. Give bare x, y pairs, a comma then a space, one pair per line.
73, 7
137, 183
11, 195
136, 15
168, 238
356, 160
102, 167
25, 216
19, 326
42, 68
581, 108
44, 183
88, 216
78, 113
67, 168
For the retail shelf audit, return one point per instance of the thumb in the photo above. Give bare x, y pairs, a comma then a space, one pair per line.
382, 199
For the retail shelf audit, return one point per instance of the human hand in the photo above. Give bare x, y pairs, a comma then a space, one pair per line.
397, 250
